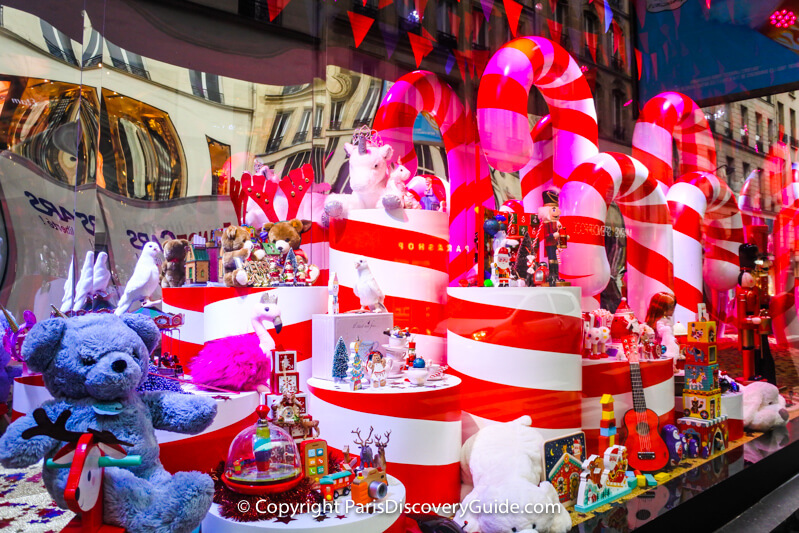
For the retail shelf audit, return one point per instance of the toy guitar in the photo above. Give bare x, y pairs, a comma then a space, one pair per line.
647, 450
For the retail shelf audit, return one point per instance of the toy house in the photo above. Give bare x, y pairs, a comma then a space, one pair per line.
565, 477
197, 264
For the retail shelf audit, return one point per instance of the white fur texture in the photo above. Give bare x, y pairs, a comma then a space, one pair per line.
764, 407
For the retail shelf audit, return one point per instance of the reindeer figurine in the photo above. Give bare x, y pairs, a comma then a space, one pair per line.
381, 450
367, 455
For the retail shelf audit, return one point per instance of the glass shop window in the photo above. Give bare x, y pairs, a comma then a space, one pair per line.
206, 86
93, 51
369, 106
318, 120
302, 130
128, 61
58, 43
336, 112
279, 128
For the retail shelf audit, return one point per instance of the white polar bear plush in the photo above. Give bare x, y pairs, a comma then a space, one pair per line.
503, 463
764, 407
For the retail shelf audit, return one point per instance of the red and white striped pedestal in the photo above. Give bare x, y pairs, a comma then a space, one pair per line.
201, 452
732, 405
216, 312
344, 517
407, 252
517, 351
425, 424
607, 376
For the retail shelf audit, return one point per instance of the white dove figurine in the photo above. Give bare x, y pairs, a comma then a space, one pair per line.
69, 288
144, 280
266, 311
83, 288
367, 290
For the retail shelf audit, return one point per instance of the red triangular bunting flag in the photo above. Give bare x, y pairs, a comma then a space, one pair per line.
488, 7
553, 6
360, 26
480, 59
420, 5
426, 33
617, 36
590, 42
600, 10
455, 24
638, 61
421, 46
477, 23
513, 10
384, 3
275, 7
460, 59
555, 29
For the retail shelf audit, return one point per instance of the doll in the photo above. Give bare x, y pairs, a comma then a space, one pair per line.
660, 317
550, 233
377, 369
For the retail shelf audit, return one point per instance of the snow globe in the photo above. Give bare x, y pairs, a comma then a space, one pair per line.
263, 459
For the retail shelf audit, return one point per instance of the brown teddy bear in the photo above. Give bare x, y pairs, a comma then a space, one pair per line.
173, 269
236, 248
287, 235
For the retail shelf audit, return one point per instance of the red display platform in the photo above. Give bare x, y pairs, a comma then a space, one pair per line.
407, 254
517, 351
425, 442
216, 312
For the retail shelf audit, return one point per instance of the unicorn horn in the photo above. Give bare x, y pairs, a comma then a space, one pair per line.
57, 312
11, 322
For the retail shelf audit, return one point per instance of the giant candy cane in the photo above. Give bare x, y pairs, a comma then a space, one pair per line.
502, 103
783, 305
584, 200
674, 116
700, 200
469, 175
748, 203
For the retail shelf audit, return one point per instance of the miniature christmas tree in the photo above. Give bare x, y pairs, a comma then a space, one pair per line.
340, 362
356, 372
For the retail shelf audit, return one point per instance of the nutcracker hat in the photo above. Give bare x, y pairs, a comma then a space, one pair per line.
747, 255
550, 197
503, 251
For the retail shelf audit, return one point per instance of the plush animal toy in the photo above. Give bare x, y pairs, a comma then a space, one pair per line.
764, 407
144, 280
173, 269
7, 371
287, 235
236, 247
369, 172
397, 195
503, 463
367, 290
92, 366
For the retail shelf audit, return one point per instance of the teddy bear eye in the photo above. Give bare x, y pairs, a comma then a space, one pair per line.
87, 360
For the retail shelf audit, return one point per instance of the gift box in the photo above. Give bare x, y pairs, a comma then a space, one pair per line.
327, 329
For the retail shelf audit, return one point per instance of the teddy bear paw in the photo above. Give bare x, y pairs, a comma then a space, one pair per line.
334, 208
241, 278
392, 201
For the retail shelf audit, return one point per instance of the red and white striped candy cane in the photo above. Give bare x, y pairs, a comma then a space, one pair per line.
469, 175
749, 205
537, 173
502, 103
700, 200
512, 206
668, 116
612, 177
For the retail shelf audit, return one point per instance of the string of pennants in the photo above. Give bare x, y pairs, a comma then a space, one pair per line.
473, 62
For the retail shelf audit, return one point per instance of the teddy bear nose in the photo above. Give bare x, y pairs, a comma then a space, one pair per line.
119, 365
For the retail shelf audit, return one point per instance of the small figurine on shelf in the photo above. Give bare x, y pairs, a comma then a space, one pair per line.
367, 290
274, 273
377, 369
397, 337
144, 280
288, 274
660, 317
674, 442
411, 356
332, 295
367, 455
302, 272
356, 372
381, 450
501, 267
550, 233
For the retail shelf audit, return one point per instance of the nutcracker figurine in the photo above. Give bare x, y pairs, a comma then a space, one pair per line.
754, 323
551, 235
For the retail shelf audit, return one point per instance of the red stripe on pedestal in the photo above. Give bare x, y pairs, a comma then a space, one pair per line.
443, 405
202, 452
186, 351
426, 318
400, 246
614, 377
736, 429
514, 328
502, 403
592, 435
428, 484
188, 298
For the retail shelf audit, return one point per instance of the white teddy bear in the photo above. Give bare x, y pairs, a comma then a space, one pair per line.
504, 463
764, 407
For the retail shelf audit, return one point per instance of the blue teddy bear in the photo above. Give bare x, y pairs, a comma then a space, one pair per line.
92, 365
